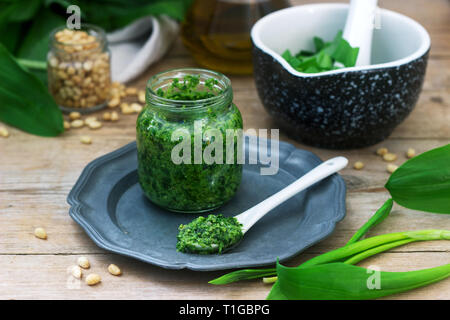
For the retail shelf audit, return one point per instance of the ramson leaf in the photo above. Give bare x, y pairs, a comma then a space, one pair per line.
325, 56
340, 281
25, 102
423, 182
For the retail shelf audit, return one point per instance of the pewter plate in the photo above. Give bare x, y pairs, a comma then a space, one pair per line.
108, 203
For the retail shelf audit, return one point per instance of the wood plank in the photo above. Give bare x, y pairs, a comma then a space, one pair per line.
25, 209
37, 173
47, 277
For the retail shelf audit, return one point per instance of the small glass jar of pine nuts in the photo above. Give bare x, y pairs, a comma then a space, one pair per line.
78, 65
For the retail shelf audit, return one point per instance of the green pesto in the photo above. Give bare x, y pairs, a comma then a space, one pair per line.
187, 89
209, 235
186, 187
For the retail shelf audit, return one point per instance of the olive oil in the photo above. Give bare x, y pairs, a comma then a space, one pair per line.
217, 32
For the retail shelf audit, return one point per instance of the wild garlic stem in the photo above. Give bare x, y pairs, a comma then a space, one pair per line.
32, 64
369, 243
270, 279
365, 254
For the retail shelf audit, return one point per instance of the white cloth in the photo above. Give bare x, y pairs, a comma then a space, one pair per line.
138, 45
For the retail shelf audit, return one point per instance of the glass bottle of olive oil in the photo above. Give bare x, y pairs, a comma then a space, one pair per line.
217, 32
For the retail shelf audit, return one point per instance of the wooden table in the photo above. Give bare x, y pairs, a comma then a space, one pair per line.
36, 175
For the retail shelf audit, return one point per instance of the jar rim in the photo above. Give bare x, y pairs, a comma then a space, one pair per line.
197, 105
100, 34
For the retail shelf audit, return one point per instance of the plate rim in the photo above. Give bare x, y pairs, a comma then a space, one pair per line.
76, 205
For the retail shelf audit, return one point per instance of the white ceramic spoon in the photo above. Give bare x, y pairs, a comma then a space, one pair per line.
249, 217
359, 28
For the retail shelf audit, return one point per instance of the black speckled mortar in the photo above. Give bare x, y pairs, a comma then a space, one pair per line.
348, 108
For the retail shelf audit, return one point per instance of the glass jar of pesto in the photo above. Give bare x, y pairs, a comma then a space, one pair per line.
189, 139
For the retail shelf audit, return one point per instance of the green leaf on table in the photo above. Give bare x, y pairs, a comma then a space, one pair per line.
25, 102
340, 281
423, 182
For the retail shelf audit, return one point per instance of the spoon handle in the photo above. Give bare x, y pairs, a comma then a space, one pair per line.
327, 168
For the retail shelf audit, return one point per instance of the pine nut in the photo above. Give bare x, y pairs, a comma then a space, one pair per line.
77, 123
391, 167
126, 108
410, 153
95, 125
107, 116
40, 233
92, 279
4, 132
141, 96
83, 262
114, 270
66, 125
382, 151
114, 102
114, 116
136, 107
390, 157
358, 165
76, 272
86, 139
74, 115
130, 91
90, 119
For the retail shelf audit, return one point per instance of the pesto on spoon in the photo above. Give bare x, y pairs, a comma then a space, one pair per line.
216, 233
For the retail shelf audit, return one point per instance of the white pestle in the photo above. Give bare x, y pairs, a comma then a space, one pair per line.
359, 27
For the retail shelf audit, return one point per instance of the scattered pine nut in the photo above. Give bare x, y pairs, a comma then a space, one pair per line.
114, 116
126, 109
382, 151
358, 165
136, 107
74, 115
95, 125
141, 96
40, 233
66, 125
390, 157
391, 167
114, 270
4, 132
76, 272
107, 116
130, 91
77, 123
92, 279
90, 119
83, 262
86, 139
114, 102
410, 153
